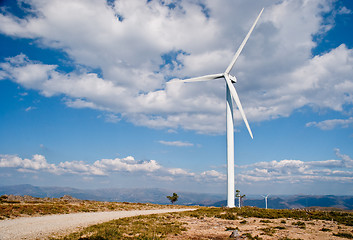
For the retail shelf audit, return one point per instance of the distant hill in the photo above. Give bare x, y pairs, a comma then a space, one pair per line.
151, 195
156, 195
298, 201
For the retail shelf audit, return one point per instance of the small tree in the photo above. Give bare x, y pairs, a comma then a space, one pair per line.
239, 196
173, 198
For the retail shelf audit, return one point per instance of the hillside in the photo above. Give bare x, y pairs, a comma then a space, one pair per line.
202, 223
222, 223
158, 196
152, 195
298, 201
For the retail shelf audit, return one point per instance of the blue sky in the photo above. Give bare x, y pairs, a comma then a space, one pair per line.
86, 100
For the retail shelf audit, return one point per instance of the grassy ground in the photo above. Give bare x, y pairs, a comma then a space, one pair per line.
142, 227
172, 225
216, 223
14, 209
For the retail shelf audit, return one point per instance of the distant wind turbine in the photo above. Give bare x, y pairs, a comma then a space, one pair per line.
265, 198
230, 93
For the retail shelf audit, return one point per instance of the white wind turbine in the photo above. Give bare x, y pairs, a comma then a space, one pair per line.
230, 93
265, 198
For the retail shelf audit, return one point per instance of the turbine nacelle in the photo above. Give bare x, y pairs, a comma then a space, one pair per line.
229, 79
232, 78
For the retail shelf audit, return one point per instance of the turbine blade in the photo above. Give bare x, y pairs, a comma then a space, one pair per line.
202, 78
229, 68
237, 101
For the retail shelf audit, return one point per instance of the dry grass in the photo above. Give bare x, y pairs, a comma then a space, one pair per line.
14, 209
141, 227
204, 223
219, 223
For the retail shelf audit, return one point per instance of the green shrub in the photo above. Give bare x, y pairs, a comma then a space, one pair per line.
300, 224
265, 221
232, 228
287, 238
268, 231
228, 216
250, 237
343, 235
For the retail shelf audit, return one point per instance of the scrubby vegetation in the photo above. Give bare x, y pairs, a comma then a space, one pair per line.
265, 221
250, 237
343, 235
345, 218
16, 206
173, 198
163, 226
325, 230
160, 226
300, 224
141, 227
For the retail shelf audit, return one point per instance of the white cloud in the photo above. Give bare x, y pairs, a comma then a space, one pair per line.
276, 73
30, 108
285, 171
98, 168
332, 123
211, 175
38, 162
295, 171
128, 164
344, 10
176, 143
112, 118
79, 167
106, 167
180, 172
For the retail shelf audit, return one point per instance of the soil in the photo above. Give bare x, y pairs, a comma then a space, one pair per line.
215, 228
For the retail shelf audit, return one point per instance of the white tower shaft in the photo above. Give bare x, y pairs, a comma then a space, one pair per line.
230, 150
231, 93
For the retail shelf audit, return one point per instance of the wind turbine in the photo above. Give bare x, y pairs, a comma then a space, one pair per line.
265, 198
230, 93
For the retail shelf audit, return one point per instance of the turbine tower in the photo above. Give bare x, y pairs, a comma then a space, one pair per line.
230, 93
265, 198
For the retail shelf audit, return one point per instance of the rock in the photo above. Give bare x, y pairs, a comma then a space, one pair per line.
69, 198
235, 234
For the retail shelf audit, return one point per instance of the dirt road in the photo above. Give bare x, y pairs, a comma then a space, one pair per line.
51, 225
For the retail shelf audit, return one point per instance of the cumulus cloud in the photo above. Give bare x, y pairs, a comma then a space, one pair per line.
180, 172
284, 171
103, 167
98, 168
139, 45
79, 167
297, 170
212, 175
38, 162
128, 164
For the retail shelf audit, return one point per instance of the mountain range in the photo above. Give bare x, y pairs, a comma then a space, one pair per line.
158, 196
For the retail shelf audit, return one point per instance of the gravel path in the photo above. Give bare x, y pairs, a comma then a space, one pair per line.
46, 226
